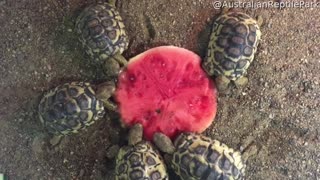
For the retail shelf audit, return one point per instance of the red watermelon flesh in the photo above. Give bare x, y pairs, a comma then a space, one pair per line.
166, 91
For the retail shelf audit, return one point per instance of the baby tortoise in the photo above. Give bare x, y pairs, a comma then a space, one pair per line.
196, 157
140, 160
73, 106
232, 46
103, 36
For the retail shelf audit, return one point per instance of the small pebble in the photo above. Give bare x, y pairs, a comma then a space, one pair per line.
271, 116
81, 173
65, 160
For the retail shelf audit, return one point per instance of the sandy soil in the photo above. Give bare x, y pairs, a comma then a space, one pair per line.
278, 111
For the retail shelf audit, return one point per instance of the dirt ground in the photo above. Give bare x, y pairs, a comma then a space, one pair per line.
277, 112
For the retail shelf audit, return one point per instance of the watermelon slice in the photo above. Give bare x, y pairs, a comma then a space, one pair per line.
166, 91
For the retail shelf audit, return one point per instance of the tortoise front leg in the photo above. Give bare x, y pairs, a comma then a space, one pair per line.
113, 65
222, 82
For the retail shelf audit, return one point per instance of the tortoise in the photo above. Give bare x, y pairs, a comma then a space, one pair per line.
103, 36
139, 160
197, 157
73, 106
233, 43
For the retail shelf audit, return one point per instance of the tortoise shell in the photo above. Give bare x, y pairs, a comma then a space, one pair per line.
101, 31
140, 161
198, 157
233, 43
69, 108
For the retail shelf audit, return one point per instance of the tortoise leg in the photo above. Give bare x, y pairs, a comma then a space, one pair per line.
222, 83
55, 140
112, 2
260, 20
241, 81
163, 142
249, 151
110, 105
104, 93
114, 65
112, 151
225, 10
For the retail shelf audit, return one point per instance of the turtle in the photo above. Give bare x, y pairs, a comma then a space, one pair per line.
196, 157
140, 159
70, 107
233, 43
103, 36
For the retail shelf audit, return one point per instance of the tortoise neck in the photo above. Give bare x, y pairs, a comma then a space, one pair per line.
105, 90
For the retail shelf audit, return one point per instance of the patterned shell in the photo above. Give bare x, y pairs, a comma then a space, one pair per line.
69, 108
140, 161
101, 31
198, 157
233, 43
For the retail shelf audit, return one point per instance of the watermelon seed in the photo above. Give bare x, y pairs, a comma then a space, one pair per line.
158, 111
132, 77
189, 67
153, 62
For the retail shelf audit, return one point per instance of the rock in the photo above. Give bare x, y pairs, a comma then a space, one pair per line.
81, 173
2, 2
39, 145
